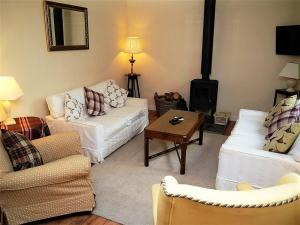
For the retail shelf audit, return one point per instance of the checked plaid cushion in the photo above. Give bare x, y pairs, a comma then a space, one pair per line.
284, 118
21, 151
94, 102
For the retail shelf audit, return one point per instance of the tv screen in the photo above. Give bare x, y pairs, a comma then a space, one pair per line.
288, 40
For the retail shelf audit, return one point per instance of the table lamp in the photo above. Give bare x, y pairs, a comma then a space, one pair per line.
133, 46
9, 91
290, 71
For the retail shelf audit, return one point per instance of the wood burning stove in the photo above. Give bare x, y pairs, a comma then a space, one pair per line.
204, 92
203, 96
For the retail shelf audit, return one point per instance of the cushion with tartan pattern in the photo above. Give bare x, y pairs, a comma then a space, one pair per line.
22, 153
94, 102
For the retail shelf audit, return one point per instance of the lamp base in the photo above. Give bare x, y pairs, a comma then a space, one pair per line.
291, 83
9, 121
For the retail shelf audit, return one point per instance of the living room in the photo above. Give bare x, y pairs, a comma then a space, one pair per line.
244, 61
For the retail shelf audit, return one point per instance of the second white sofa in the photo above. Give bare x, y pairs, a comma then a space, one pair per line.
242, 158
100, 135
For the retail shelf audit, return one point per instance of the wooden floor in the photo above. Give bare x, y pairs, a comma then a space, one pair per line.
77, 219
90, 219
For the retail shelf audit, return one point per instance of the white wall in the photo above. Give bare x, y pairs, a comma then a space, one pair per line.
24, 55
244, 59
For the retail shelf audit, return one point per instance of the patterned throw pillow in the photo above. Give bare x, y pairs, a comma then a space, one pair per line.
282, 139
283, 105
114, 95
94, 102
21, 152
74, 109
284, 118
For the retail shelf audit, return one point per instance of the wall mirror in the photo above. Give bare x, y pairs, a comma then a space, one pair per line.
66, 26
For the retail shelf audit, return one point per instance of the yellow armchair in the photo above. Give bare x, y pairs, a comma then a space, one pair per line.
61, 186
180, 204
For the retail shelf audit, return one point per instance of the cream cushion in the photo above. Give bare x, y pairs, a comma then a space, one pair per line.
282, 139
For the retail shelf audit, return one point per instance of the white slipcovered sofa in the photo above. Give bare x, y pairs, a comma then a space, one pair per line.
242, 157
100, 135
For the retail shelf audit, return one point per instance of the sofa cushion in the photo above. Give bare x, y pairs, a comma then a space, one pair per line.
250, 127
94, 102
74, 109
282, 139
254, 142
284, 118
114, 95
283, 105
21, 151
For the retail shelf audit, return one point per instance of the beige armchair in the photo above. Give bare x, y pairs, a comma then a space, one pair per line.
180, 204
61, 186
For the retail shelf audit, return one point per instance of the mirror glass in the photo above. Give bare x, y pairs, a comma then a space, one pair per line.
66, 27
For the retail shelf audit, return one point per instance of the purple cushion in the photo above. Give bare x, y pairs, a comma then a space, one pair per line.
22, 153
284, 118
94, 102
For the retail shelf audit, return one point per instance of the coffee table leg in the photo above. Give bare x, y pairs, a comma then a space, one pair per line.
146, 152
183, 158
201, 134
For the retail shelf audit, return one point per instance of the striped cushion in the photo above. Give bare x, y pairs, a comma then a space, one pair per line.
94, 102
284, 118
21, 151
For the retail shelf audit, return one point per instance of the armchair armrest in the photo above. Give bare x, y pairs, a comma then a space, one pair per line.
58, 146
63, 170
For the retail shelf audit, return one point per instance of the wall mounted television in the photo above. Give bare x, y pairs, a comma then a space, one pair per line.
288, 40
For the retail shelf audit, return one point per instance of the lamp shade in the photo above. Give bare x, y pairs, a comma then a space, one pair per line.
9, 88
133, 45
291, 70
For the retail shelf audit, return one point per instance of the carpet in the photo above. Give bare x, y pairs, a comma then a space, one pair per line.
123, 185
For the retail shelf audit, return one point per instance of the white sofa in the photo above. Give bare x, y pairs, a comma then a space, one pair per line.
100, 135
242, 158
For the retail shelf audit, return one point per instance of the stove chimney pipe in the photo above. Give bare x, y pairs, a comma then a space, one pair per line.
208, 38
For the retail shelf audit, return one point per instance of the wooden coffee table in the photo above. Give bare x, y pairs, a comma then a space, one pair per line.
180, 133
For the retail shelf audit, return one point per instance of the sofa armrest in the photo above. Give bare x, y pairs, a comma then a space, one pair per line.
137, 102
252, 114
58, 146
258, 167
63, 170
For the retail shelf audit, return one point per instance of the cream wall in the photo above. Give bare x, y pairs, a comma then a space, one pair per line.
24, 55
244, 59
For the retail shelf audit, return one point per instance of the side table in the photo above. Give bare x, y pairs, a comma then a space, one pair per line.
285, 93
31, 127
133, 85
